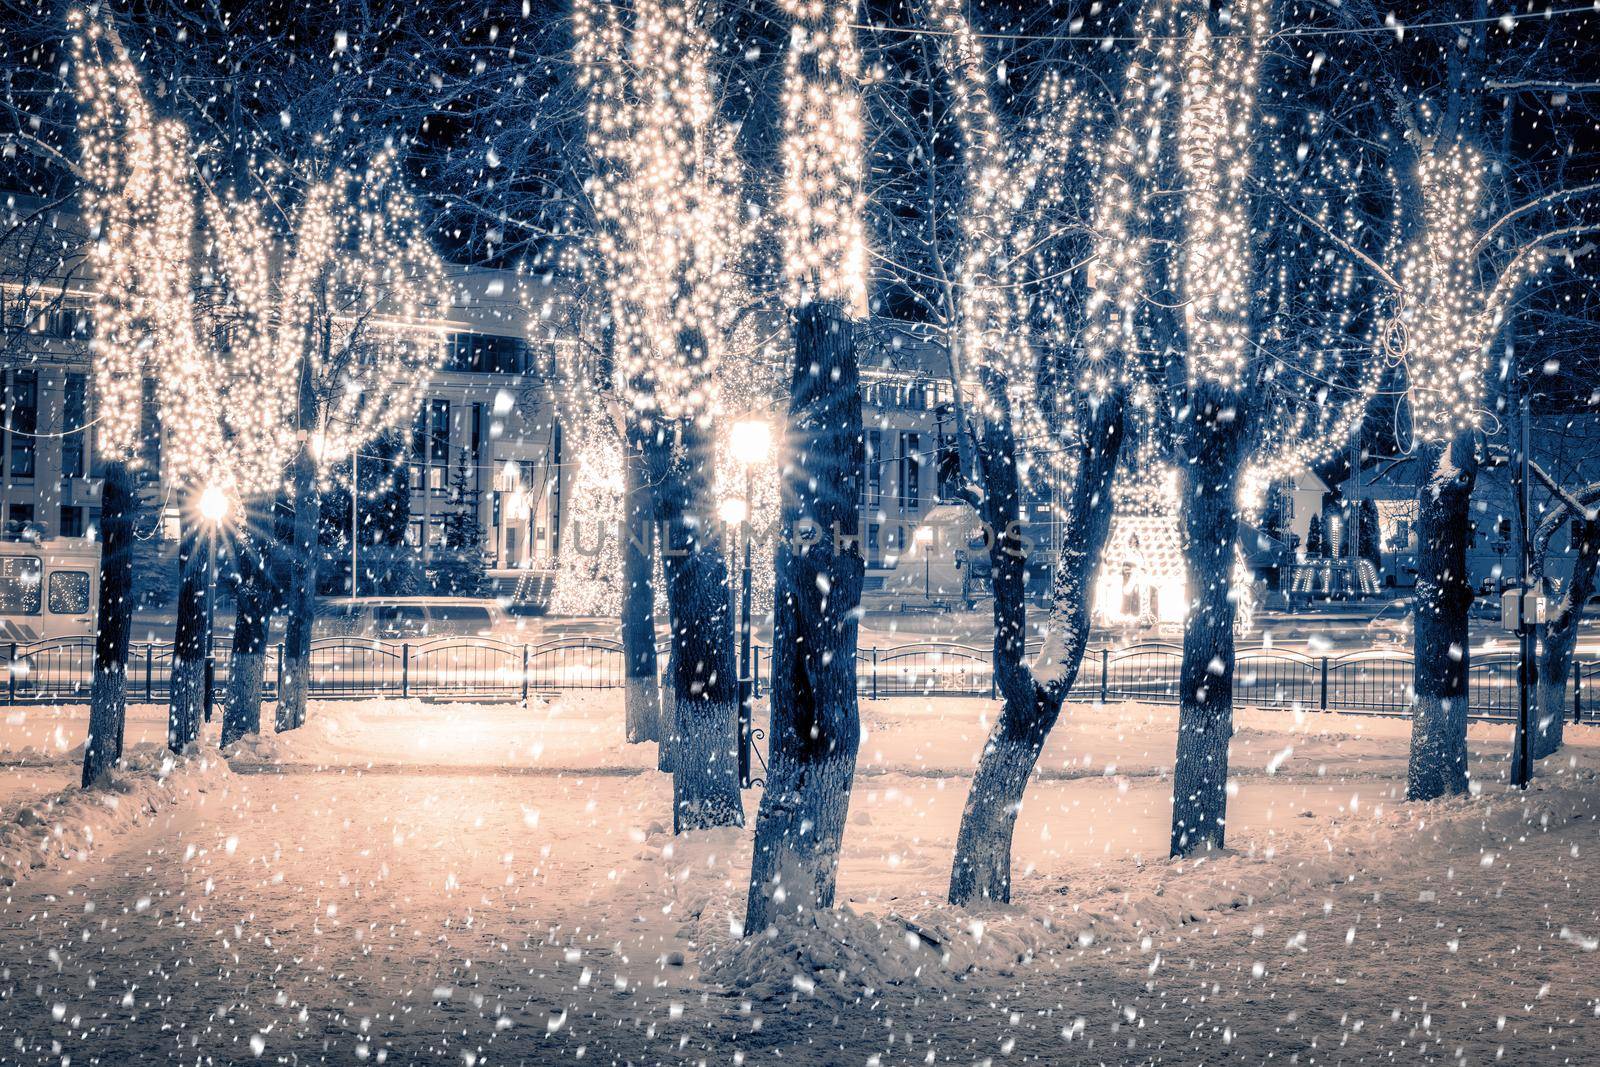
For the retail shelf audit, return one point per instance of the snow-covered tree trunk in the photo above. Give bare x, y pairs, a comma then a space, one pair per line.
1030, 699
1205, 678
1438, 763
108, 697
300, 593
816, 725
705, 765
643, 701
241, 715
667, 725
186, 702
1560, 637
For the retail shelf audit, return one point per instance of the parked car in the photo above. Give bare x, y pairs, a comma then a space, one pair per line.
404, 618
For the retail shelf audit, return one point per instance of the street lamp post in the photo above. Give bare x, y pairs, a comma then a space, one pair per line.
1522, 750
752, 444
925, 539
355, 523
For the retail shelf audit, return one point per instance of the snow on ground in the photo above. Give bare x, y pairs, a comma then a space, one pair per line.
495, 884
65, 826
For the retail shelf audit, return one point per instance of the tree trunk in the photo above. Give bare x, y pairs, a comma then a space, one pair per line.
1438, 764
705, 766
186, 700
1560, 637
1030, 700
1205, 679
643, 699
247, 665
108, 695
667, 723
300, 596
816, 726
300, 600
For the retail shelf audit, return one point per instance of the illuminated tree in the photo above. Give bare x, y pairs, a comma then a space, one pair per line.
138, 201
1448, 317
816, 726
339, 306
667, 201
1019, 200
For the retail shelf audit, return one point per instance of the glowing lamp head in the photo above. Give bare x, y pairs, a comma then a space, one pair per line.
751, 440
733, 511
213, 504
924, 534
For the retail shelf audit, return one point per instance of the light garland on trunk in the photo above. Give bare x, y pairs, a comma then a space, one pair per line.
1448, 316
1214, 154
823, 205
666, 195
138, 199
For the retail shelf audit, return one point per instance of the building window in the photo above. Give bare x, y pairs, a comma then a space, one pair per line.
874, 467
19, 519
74, 410
872, 541
910, 471
24, 422
478, 353
439, 431
71, 521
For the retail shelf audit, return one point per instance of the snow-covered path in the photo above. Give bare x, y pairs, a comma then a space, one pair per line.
448, 918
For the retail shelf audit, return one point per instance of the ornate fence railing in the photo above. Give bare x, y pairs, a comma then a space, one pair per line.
477, 668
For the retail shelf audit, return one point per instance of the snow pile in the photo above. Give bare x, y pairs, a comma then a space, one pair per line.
847, 955
67, 825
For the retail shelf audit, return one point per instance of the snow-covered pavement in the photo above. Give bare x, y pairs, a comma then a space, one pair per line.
395, 885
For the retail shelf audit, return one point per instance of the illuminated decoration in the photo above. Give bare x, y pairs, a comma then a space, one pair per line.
823, 203
666, 194
1116, 277
589, 580
1219, 90
1447, 317
360, 294
138, 201
1143, 581
351, 295
1010, 193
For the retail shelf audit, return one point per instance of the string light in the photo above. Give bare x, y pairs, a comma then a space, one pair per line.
667, 198
823, 204
138, 202
1012, 192
1448, 316
1214, 153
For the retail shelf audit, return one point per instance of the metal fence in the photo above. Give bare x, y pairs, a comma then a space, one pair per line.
476, 668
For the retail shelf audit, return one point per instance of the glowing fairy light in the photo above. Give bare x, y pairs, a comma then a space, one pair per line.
823, 204
590, 582
1214, 153
138, 200
347, 294
1448, 316
666, 195
1012, 189
362, 288
1117, 272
